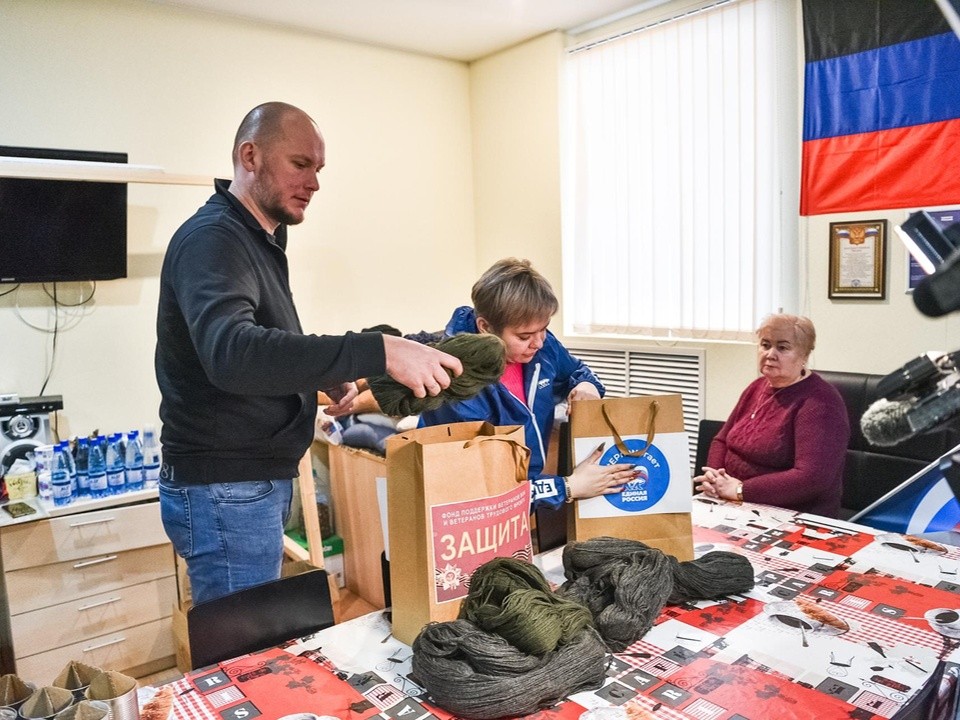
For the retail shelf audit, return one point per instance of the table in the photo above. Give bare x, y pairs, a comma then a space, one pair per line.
878, 639
44, 508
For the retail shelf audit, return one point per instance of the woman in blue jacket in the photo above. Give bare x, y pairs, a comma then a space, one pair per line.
514, 302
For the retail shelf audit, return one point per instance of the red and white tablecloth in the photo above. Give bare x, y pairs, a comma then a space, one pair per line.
844, 622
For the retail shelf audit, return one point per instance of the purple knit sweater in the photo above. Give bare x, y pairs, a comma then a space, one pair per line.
787, 446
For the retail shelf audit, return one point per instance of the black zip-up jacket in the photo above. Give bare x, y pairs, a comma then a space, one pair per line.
237, 376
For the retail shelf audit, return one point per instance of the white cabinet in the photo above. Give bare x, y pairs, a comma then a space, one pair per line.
98, 587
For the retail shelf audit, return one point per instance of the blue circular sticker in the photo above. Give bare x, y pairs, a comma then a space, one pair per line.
651, 483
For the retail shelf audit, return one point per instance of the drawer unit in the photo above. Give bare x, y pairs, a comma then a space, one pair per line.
109, 612
45, 585
96, 586
78, 536
127, 648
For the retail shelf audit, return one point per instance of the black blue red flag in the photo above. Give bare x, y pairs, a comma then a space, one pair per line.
881, 117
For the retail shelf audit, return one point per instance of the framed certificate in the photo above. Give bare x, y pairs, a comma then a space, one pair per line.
858, 252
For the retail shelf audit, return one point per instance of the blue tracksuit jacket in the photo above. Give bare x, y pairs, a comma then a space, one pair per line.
548, 378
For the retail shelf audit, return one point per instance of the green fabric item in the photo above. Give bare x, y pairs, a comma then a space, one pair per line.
478, 675
626, 583
483, 358
512, 598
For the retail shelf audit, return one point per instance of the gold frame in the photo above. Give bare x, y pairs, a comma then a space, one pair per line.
848, 268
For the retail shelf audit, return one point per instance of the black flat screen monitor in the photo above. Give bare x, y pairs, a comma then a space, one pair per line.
62, 230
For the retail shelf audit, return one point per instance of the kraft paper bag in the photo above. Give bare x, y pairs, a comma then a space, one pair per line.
648, 433
457, 497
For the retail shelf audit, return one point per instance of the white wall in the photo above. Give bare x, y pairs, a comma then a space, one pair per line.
394, 214
516, 163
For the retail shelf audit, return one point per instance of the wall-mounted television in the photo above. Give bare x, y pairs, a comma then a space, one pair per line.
62, 230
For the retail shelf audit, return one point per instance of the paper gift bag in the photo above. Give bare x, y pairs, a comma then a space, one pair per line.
655, 507
457, 496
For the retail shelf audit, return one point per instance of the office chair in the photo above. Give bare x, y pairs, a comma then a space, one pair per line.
259, 617
706, 432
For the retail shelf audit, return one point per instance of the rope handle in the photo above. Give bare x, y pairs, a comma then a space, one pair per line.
521, 453
651, 430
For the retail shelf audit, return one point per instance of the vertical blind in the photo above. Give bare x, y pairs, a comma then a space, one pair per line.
673, 177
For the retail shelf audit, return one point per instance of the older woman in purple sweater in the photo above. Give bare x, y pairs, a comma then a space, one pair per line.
785, 441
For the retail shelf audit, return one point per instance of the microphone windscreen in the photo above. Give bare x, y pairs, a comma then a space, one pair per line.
939, 293
885, 422
926, 300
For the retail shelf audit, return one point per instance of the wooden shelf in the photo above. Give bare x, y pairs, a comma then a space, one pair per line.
37, 169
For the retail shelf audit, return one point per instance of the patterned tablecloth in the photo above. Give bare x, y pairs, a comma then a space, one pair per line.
844, 622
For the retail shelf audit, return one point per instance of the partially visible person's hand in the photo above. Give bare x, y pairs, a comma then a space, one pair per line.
590, 479
583, 391
716, 483
423, 369
342, 397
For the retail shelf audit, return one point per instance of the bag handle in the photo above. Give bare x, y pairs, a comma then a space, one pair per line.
651, 430
521, 453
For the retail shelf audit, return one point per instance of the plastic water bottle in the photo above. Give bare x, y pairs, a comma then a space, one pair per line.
116, 477
133, 461
60, 478
151, 457
97, 469
82, 461
43, 456
71, 466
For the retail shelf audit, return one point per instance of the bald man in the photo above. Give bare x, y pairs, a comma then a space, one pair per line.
237, 376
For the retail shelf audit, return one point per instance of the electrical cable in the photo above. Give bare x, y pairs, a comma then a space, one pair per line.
77, 304
15, 287
58, 307
56, 327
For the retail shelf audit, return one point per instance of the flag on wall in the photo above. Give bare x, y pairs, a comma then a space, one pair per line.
881, 116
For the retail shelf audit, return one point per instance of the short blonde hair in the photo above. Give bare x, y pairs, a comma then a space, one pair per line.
512, 293
804, 334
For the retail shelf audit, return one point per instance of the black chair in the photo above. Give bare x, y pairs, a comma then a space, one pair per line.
259, 617
552, 524
870, 472
705, 433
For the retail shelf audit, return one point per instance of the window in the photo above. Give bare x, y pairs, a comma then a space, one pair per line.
680, 175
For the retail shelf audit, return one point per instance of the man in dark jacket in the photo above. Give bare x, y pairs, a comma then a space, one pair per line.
238, 377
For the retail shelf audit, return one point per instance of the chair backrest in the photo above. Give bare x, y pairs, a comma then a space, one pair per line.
705, 434
551, 524
259, 617
871, 471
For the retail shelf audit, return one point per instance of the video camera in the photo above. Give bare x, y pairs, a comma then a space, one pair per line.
937, 250
925, 391
916, 398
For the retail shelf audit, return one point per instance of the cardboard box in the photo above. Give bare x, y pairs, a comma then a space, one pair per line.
353, 480
181, 638
21, 486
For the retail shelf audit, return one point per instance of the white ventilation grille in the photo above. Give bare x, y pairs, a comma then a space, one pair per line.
628, 372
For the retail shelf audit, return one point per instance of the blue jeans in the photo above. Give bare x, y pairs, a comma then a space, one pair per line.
230, 534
